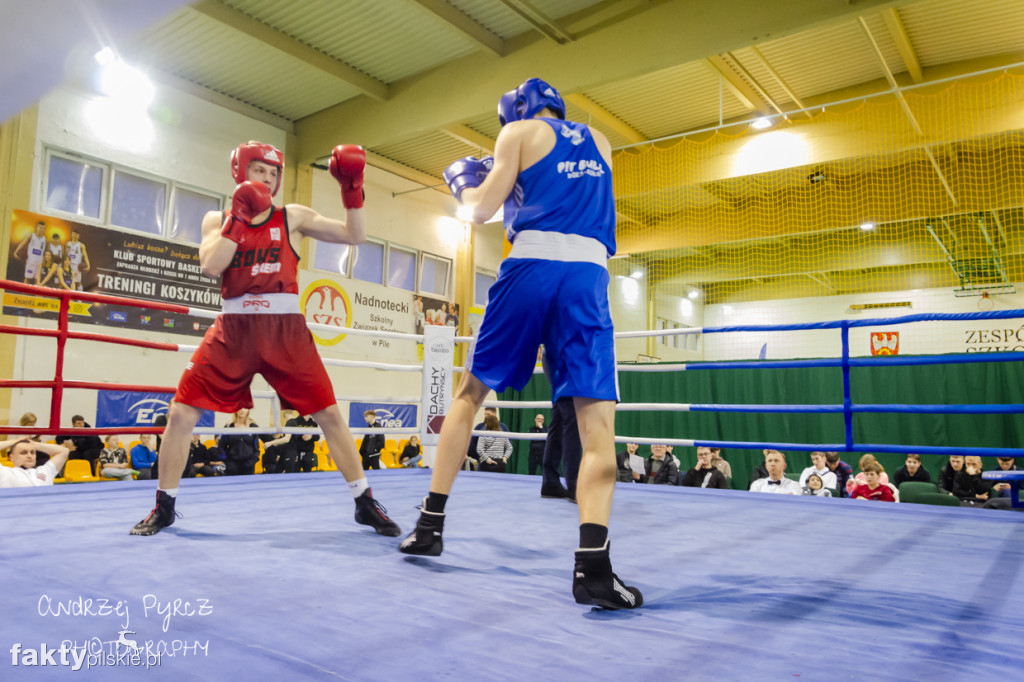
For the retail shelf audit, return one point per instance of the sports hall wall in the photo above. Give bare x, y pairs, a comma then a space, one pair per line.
191, 145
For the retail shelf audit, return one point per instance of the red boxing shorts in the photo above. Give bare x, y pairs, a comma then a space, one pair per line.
236, 347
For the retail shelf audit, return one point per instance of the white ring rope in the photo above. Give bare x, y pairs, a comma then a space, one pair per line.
659, 332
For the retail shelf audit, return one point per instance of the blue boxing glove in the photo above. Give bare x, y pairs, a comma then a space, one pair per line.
467, 172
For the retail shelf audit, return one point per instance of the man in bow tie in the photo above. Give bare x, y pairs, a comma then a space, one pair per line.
776, 482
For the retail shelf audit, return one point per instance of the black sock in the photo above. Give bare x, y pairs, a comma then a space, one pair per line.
592, 535
435, 503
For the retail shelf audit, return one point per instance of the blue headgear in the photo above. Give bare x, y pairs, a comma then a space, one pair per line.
529, 98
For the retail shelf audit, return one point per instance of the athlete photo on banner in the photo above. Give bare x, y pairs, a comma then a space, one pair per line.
435, 311
69, 256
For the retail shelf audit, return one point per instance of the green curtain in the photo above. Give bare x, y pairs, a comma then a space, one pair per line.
978, 383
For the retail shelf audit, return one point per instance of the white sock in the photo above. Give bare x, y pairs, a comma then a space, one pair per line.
358, 487
173, 492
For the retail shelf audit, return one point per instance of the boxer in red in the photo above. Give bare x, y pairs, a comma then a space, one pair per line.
254, 248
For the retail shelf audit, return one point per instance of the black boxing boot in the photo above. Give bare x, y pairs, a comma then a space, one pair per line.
163, 515
426, 539
370, 512
594, 584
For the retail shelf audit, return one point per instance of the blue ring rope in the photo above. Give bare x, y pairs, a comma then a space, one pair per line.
871, 447
836, 409
872, 322
888, 360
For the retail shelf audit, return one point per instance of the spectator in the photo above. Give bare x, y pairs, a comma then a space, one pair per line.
114, 461
861, 477
472, 452
626, 473
241, 452
872, 488
969, 486
705, 474
815, 486
761, 471
562, 450
819, 466
143, 456
279, 455
82, 447
660, 468
493, 451
29, 419
841, 469
776, 481
412, 453
954, 466
536, 457
205, 461
911, 471
1002, 489
373, 444
304, 444
719, 463
24, 473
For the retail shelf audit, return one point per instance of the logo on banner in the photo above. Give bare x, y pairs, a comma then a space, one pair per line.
135, 408
885, 343
117, 316
388, 416
438, 354
325, 302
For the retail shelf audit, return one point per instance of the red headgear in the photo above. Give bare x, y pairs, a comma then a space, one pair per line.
256, 151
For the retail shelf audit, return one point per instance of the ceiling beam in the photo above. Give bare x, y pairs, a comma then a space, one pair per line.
749, 78
257, 30
782, 83
540, 21
606, 118
747, 96
877, 51
465, 25
469, 136
667, 34
230, 103
903, 44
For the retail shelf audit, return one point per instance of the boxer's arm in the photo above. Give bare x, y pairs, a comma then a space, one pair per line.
215, 252
485, 200
309, 223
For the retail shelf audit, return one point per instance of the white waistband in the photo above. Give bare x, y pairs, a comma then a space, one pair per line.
569, 248
262, 304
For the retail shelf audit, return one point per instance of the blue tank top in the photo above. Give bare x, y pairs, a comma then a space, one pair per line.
568, 191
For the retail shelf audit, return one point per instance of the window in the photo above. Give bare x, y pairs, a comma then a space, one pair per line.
189, 208
401, 269
434, 275
368, 262
74, 186
333, 257
483, 283
138, 203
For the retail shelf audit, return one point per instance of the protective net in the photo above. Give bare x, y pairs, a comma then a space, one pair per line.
892, 204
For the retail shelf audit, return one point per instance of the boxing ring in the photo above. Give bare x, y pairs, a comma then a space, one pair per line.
268, 577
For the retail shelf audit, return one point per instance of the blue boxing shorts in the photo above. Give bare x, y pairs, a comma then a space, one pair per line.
563, 305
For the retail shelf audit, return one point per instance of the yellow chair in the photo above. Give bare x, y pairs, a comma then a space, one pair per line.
6, 462
78, 471
324, 462
389, 459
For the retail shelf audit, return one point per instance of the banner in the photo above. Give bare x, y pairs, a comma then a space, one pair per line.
389, 415
438, 361
136, 408
51, 251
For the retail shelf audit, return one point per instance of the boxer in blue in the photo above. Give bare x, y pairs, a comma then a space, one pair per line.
554, 178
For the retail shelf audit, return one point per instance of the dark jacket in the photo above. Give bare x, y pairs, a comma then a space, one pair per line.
946, 477
301, 444
372, 444
409, 451
244, 448
625, 472
966, 486
694, 478
902, 476
667, 474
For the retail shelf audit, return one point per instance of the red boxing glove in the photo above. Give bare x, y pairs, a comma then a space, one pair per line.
347, 164
249, 200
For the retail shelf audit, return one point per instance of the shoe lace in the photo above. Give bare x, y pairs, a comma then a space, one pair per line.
372, 502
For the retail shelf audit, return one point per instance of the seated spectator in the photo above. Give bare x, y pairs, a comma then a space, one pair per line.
472, 453
114, 461
815, 486
719, 463
819, 466
872, 487
1002, 489
911, 471
625, 473
29, 419
761, 471
24, 473
493, 451
660, 468
241, 452
304, 444
969, 486
412, 453
279, 455
704, 474
143, 456
841, 469
82, 447
954, 466
776, 481
861, 477
205, 461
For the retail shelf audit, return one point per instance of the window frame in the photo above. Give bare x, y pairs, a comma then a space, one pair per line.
448, 280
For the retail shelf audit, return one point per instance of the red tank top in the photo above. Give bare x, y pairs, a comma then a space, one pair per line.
265, 263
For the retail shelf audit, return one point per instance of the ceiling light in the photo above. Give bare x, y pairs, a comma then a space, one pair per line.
105, 56
867, 226
693, 295
637, 274
762, 123
464, 213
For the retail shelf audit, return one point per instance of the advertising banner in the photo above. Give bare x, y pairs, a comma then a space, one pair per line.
135, 408
389, 415
438, 360
63, 254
